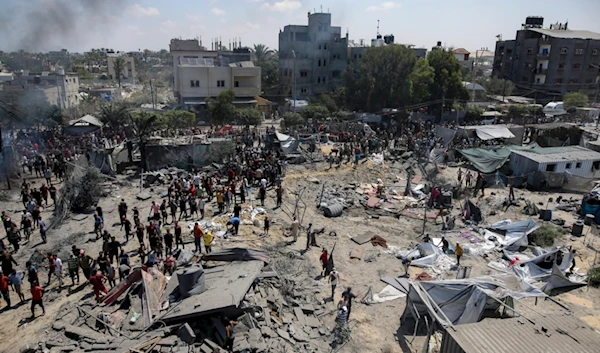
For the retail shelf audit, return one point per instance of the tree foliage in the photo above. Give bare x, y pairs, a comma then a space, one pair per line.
575, 100
448, 83
315, 112
292, 119
119, 67
179, 119
421, 77
328, 102
115, 115
497, 86
473, 113
248, 116
221, 108
262, 52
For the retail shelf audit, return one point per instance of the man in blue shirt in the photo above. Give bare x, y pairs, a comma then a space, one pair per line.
235, 223
16, 279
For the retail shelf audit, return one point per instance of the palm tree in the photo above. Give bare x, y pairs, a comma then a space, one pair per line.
115, 115
262, 52
119, 66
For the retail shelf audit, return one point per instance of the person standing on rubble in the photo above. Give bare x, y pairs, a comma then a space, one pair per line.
37, 294
198, 235
178, 236
459, 253
468, 178
347, 297
73, 267
97, 282
294, 229
267, 225
460, 175
324, 258
4, 286
334, 278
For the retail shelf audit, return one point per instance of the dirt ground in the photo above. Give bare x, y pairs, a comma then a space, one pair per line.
374, 327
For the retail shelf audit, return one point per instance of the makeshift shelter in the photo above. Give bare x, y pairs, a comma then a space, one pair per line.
465, 301
287, 143
590, 204
471, 212
515, 234
83, 125
486, 160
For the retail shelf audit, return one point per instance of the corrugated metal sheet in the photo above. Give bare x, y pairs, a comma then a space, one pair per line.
519, 335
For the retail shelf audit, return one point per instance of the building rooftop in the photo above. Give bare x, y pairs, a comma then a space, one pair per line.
185, 45
559, 154
554, 333
567, 33
461, 51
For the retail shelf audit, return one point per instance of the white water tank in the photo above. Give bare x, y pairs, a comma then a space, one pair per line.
60, 71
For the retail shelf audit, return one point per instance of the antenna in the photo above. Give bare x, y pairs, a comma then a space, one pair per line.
377, 27
321, 8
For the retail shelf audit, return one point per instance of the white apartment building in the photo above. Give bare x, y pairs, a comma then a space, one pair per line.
129, 69
199, 74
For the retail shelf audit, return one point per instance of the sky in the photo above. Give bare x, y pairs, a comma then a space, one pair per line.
78, 25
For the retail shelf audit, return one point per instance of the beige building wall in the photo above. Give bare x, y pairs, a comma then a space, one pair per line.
128, 71
205, 81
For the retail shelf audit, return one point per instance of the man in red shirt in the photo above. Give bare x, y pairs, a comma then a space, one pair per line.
96, 280
4, 288
324, 259
37, 293
198, 236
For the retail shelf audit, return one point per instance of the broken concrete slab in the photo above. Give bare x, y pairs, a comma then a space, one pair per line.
363, 238
286, 336
300, 315
268, 332
298, 334
186, 334
81, 333
313, 321
358, 252
307, 308
143, 196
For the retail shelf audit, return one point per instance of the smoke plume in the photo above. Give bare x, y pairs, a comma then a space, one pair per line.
42, 25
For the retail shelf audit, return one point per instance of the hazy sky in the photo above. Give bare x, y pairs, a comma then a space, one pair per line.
79, 25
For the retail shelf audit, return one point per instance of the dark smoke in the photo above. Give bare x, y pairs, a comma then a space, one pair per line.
42, 25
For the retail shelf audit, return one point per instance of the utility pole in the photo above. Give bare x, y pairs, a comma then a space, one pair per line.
294, 89
152, 96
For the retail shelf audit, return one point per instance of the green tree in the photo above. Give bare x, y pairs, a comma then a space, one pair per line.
328, 102
115, 115
315, 112
119, 67
517, 111
383, 78
575, 100
248, 116
497, 86
339, 96
269, 72
292, 119
179, 119
261, 52
221, 108
145, 124
421, 77
473, 113
448, 82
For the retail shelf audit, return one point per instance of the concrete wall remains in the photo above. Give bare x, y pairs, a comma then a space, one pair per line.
176, 155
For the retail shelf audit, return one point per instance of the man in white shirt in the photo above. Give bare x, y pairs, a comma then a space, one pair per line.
334, 278
58, 271
295, 227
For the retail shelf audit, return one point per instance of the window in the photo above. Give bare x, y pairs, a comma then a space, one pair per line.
319, 46
303, 73
319, 62
579, 51
558, 80
564, 50
324, 62
561, 66
529, 50
576, 66
303, 90
355, 56
551, 167
221, 83
509, 51
594, 51
573, 80
578, 165
285, 72
320, 28
596, 165
194, 83
568, 166
324, 79
236, 83
324, 46
319, 79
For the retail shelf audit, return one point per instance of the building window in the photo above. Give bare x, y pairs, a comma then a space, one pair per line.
221, 83
579, 51
319, 79
576, 66
558, 80
319, 46
568, 166
564, 50
324, 62
324, 79
193, 83
319, 64
508, 51
596, 165
594, 51
561, 66
529, 50
355, 56
303, 90
236, 83
578, 165
303, 73
324, 46
527, 65
551, 167
574, 80
320, 28
285, 72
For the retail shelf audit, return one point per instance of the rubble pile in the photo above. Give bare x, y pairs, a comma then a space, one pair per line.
342, 195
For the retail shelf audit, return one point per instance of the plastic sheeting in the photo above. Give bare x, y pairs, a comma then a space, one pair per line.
446, 134
515, 234
287, 143
490, 133
486, 161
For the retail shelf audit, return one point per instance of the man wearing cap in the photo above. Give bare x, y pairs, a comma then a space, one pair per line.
342, 317
334, 278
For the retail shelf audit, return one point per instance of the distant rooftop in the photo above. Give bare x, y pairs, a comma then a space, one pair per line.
567, 33
559, 154
461, 51
185, 45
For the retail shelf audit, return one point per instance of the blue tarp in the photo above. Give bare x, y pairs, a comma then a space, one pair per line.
591, 208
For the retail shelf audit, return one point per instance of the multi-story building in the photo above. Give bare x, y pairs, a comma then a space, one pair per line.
199, 74
553, 60
60, 89
312, 58
128, 71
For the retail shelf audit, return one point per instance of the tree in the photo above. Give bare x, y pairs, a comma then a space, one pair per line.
497, 86
328, 102
383, 78
119, 67
447, 83
314, 112
179, 119
221, 108
517, 111
248, 116
421, 78
115, 115
339, 96
292, 119
261, 52
473, 113
575, 100
269, 72
145, 124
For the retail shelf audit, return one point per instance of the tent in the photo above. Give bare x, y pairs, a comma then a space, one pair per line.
471, 212
84, 125
287, 143
464, 301
515, 234
486, 160
490, 133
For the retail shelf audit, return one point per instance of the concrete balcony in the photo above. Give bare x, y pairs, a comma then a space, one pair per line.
541, 71
246, 91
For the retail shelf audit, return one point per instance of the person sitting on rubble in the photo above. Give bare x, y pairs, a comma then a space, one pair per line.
229, 333
445, 245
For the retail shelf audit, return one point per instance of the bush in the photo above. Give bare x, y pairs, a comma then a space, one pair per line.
594, 276
292, 119
545, 235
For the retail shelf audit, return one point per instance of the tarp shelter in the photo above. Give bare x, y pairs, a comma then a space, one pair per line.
446, 134
457, 302
83, 125
515, 234
486, 160
590, 204
491, 133
287, 143
471, 212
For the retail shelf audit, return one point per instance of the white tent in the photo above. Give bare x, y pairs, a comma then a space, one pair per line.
287, 143
86, 120
515, 234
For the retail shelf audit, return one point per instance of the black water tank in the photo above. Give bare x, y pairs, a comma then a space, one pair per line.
389, 39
